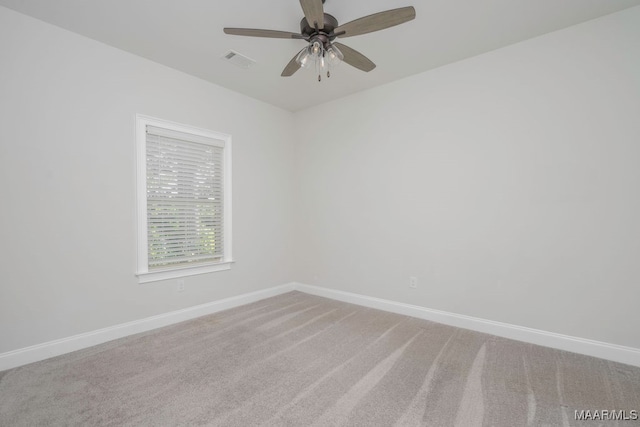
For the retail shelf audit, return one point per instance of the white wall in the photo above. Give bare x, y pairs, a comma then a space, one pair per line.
67, 251
508, 183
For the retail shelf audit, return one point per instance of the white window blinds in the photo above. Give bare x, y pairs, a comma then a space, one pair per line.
185, 204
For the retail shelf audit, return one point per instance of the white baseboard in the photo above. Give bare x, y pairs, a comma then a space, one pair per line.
49, 349
616, 353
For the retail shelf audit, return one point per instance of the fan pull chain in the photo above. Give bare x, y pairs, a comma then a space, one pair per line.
319, 77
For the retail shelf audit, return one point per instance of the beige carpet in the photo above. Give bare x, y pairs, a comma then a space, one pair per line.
301, 360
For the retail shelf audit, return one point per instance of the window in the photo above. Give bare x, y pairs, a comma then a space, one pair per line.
184, 200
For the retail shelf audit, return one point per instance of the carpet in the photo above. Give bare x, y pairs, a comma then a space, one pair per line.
303, 360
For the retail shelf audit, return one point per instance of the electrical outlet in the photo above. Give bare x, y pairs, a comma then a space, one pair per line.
413, 282
180, 285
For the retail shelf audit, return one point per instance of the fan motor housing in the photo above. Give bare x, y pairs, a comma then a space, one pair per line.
330, 23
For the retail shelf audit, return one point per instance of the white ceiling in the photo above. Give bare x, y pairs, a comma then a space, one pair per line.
187, 35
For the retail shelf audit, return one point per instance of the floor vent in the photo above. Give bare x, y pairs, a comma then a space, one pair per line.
238, 59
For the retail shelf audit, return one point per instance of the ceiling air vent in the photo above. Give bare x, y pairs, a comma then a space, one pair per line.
238, 59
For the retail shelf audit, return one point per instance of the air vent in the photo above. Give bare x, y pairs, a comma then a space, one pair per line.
238, 59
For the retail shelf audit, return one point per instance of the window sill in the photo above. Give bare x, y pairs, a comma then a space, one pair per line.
176, 272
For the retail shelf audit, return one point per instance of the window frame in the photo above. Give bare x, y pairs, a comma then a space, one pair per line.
142, 263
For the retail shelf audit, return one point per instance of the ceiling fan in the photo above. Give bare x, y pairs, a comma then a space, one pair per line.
320, 29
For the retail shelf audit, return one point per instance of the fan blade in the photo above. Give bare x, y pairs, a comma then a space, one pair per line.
355, 58
291, 67
252, 32
377, 21
314, 12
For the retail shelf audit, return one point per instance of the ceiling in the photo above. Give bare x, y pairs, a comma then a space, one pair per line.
187, 35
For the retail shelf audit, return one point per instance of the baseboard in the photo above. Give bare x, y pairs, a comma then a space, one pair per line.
49, 349
617, 353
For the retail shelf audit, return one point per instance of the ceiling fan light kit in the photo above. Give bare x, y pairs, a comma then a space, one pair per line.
320, 29
316, 56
